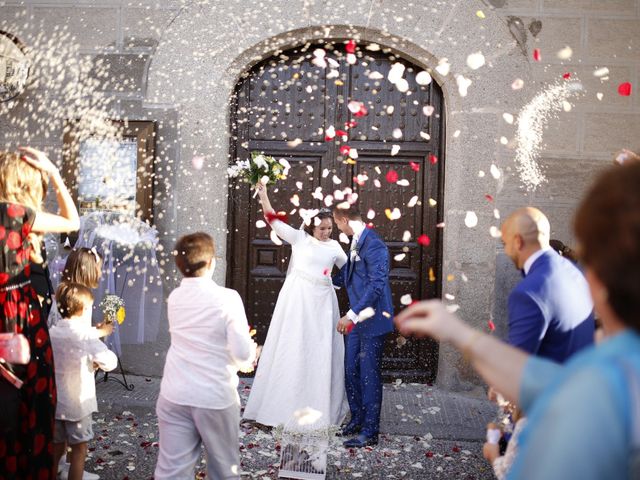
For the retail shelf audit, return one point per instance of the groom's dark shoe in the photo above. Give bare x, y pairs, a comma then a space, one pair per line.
349, 429
361, 441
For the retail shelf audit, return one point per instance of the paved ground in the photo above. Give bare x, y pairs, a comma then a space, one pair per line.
426, 433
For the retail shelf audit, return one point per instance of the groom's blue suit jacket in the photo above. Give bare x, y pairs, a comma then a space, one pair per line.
366, 279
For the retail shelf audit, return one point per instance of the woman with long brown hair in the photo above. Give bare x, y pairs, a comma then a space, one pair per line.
26, 425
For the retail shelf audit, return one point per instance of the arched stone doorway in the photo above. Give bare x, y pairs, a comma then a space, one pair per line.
287, 98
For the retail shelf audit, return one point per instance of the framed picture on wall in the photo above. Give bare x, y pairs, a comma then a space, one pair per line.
112, 175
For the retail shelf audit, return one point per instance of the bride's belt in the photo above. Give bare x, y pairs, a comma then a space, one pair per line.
322, 281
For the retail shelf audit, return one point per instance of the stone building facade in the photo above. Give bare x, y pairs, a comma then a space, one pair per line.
177, 63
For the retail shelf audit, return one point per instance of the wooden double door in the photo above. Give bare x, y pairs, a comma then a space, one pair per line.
283, 107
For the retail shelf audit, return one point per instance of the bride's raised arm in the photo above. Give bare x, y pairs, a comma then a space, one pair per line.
284, 231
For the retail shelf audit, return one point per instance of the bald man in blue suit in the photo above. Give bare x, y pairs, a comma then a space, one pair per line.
550, 310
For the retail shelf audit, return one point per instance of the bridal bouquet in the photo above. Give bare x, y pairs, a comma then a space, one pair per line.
260, 168
113, 308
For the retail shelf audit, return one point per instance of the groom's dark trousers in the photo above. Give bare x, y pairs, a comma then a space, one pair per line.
366, 278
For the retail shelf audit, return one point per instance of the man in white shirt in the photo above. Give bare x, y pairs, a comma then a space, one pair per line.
210, 341
77, 353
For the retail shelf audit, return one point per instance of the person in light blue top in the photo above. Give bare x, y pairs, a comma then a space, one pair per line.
583, 416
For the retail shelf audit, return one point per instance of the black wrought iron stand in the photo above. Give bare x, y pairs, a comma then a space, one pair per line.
128, 386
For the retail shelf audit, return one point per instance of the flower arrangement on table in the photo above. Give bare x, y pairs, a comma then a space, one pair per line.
260, 168
113, 308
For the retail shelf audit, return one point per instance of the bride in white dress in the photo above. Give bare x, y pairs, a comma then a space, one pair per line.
302, 361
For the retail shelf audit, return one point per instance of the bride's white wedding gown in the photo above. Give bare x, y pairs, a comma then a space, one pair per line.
302, 361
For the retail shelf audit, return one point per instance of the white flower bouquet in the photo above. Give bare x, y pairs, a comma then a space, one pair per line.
113, 308
260, 168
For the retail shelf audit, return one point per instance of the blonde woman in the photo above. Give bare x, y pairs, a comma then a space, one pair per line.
26, 423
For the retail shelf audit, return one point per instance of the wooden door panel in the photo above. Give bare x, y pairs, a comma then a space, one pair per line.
284, 102
286, 98
388, 107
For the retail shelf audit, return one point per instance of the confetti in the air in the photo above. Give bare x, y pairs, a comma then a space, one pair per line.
471, 219
537, 56
624, 89
475, 60
424, 240
530, 128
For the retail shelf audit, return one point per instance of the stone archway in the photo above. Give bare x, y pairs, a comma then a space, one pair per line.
198, 77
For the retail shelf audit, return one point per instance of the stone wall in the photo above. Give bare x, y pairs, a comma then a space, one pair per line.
177, 63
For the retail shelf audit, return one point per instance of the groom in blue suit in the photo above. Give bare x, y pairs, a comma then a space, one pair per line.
368, 321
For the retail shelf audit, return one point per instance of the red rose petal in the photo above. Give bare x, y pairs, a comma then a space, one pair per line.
350, 47
489, 197
3, 232
536, 55
433, 159
4, 278
392, 176
350, 124
414, 166
362, 112
429, 454
491, 325
344, 150
624, 89
566, 76
325, 272
350, 327
456, 449
424, 240
341, 133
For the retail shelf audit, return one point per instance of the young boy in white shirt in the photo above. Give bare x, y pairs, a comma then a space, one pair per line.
77, 353
210, 342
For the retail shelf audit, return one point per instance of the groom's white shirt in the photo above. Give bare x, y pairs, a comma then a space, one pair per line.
357, 227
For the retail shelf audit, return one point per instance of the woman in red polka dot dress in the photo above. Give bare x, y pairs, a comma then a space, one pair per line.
27, 418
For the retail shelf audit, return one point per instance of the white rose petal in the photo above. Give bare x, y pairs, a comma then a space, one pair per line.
565, 53
463, 85
601, 72
475, 60
495, 171
406, 299
423, 78
471, 219
413, 201
507, 117
394, 150
443, 67
402, 85
403, 183
396, 72
260, 224
428, 110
